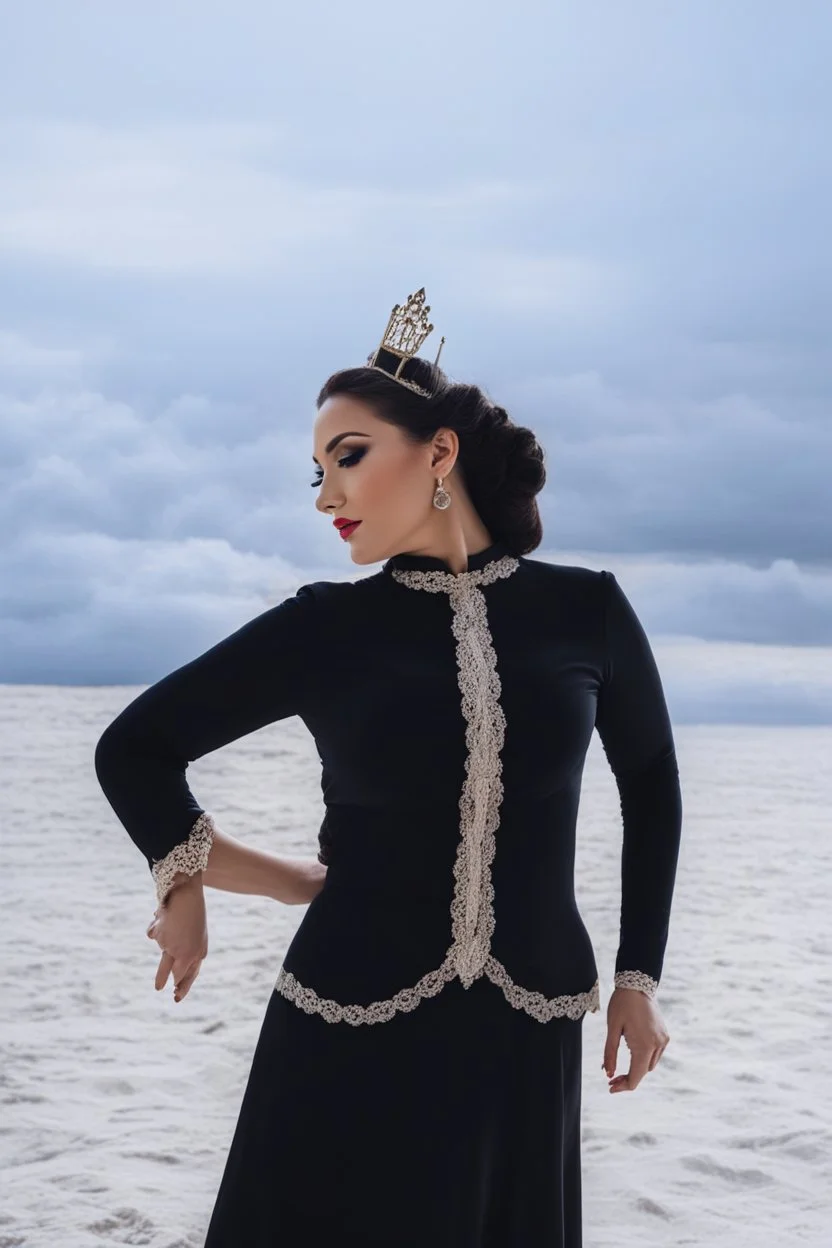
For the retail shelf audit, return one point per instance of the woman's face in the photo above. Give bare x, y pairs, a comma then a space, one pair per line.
369, 472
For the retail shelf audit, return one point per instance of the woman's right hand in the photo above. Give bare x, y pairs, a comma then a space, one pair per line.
180, 928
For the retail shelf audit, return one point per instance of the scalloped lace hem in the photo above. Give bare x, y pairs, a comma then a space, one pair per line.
570, 1005
544, 1009
636, 979
189, 856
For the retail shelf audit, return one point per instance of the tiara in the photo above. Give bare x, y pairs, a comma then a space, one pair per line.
407, 329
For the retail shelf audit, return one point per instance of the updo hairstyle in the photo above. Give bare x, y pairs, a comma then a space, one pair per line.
500, 463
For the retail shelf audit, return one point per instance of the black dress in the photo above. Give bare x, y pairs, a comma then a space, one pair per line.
417, 1076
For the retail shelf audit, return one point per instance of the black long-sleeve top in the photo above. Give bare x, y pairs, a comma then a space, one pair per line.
452, 715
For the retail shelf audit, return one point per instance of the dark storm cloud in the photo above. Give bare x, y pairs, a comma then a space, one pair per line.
619, 213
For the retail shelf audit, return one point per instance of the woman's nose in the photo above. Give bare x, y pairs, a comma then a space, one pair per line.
328, 504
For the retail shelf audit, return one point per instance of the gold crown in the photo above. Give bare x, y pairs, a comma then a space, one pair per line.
407, 329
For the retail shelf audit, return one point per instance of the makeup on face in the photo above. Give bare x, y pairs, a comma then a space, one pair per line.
345, 461
345, 525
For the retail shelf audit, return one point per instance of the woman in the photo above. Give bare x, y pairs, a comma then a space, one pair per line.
417, 1079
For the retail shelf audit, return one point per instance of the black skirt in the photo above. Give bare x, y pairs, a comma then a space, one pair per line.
454, 1125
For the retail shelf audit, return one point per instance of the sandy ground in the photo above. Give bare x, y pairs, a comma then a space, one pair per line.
119, 1106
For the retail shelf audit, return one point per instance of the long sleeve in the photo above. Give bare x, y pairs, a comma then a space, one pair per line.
634, 726
259, 674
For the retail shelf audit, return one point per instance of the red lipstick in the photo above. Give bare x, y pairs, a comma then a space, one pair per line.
346, 527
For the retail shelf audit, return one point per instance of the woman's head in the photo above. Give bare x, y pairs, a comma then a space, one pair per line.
384, 474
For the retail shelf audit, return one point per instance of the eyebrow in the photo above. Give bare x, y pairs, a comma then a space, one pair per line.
333, 442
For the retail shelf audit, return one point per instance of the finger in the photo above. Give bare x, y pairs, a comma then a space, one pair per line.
638, 1069
183, 970
611, 1050
657, 1056
182, 986
163, 970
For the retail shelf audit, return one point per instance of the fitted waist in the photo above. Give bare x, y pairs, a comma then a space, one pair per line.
411, 850
361, 946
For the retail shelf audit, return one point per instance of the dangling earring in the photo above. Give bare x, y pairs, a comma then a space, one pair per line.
441, 498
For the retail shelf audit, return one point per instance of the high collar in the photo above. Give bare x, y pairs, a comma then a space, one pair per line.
407, 562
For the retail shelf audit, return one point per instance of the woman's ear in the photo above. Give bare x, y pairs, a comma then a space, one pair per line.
445, 449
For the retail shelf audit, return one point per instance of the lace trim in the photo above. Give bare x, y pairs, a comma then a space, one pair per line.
543, 1008
472, 908
450, 582
378, 1011
190, 856
636, 979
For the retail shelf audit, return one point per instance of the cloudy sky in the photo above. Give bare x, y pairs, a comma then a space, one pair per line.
620, 211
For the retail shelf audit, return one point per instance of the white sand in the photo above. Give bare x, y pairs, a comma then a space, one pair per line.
119, 1105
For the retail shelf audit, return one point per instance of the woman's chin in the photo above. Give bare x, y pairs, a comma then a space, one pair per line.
359, 555
362, 557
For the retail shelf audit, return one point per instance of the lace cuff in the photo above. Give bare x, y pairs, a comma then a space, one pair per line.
189, 856
636, 979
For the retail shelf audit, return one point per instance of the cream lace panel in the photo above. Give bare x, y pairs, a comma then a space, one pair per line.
189, 856
472, 908
636, 979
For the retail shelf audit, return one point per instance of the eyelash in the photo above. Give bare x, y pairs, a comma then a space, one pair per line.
346, 462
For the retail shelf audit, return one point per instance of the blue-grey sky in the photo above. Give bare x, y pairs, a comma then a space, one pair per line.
619, 211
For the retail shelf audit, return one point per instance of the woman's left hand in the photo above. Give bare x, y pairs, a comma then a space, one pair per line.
300, 881
180, 928
636, 1018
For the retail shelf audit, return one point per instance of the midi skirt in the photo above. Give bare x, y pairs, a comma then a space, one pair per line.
454, 1125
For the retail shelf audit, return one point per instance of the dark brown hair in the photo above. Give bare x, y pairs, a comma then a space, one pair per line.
500, 463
